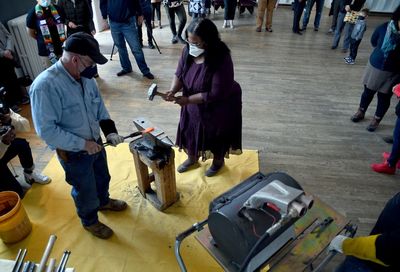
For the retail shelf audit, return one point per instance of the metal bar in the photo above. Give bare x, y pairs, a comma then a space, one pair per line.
47, 252
16, 260
51, 265
178, 240
21, 261
154, 40
59, 268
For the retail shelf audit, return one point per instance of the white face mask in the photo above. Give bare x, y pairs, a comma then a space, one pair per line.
45, 3
195, 51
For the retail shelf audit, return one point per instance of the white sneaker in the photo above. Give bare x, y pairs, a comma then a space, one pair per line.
35, 177
225, 25
231, 24
25, 185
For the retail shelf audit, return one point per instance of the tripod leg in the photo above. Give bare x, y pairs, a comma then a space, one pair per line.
154, 40
112, 51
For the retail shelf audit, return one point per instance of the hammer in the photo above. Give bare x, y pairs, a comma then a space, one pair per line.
134, 134
153, 92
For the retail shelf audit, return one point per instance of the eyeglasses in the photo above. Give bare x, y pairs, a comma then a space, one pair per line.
193, 44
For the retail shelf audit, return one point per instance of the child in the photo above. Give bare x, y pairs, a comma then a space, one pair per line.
357, 35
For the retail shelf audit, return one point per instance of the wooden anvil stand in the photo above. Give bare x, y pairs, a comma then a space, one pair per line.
163, 175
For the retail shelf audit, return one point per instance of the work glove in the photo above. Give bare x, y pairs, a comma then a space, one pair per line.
114, 139
337, 243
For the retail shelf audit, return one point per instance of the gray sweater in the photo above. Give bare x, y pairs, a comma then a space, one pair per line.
6, 42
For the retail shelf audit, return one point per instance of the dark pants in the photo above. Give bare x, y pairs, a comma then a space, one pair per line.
8, 80
181, 13
89, 177
335, 13
395, 153
147, 22
156, 7
298, 11
18, 147
383, 102
229, 10
354, 44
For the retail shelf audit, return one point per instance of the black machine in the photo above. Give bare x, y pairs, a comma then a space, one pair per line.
253, 220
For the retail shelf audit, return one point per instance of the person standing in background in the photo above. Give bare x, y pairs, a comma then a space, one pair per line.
298, 7
173, 7
156, 8
79, 17
122, 17
318, 13
229, 13
45, 23
265, 6
357, 35
146, 8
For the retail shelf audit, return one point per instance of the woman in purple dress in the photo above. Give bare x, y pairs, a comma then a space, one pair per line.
211, 115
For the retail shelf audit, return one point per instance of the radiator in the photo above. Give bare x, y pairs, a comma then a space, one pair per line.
26, 47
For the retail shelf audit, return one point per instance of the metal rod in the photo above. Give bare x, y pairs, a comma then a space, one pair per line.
51, 265
61, 261
21, 261
154, 40
16, 260
46, 253
178, 240
65, 261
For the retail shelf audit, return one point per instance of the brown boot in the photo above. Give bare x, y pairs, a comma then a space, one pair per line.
358, 116
374, 124
99, 230
114, 205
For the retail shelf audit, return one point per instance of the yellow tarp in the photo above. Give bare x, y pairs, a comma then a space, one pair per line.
143, 237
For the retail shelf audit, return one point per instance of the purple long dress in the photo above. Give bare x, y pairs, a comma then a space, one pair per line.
212, 128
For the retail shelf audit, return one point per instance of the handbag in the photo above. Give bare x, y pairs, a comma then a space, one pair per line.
351, 17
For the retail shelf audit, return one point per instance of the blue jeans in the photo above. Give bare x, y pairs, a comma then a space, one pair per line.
309, 6
348, 28
128, 31
89, 177
352, 264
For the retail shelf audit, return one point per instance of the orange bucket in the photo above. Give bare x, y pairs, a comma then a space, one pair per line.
14, 222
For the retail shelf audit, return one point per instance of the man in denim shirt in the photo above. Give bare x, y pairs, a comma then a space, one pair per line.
68, 113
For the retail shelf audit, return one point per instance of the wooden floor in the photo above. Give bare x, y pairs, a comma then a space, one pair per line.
298, 96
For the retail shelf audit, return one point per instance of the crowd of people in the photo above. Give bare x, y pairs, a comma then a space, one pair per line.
69, 114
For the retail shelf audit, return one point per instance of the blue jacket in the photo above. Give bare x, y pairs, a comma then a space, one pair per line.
359, 29
120, 11
392, 62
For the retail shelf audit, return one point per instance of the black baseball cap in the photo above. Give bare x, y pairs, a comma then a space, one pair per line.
84, 44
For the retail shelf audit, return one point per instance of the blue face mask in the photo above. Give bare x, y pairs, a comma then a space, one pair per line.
45, 3
89, 72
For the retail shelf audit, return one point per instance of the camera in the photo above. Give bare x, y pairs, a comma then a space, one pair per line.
4, 129
4, 109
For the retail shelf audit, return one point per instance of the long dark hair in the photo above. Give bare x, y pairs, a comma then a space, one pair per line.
215, 49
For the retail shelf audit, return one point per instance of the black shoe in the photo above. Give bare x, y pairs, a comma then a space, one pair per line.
333, 47
149, 75
151, 46
174, 40
298, 32
388, 139
123, 72
303, 29
180, 39
316, 29
214, 169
